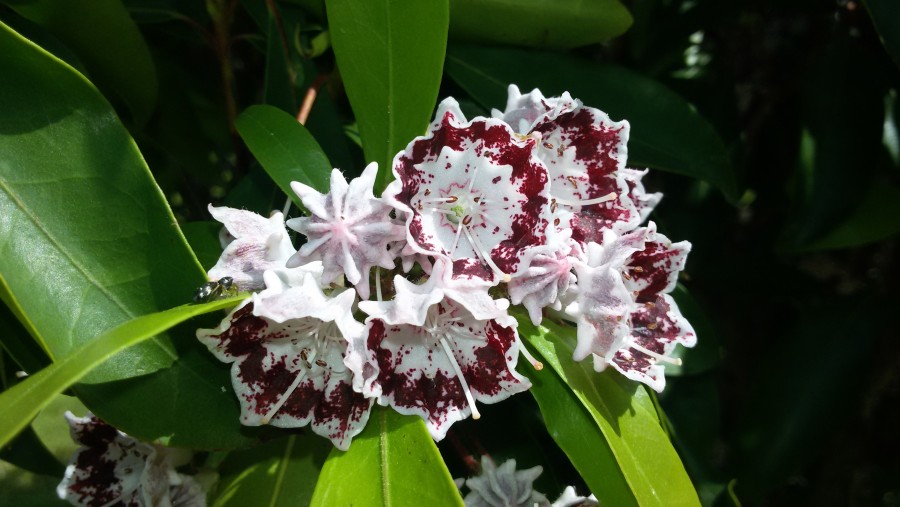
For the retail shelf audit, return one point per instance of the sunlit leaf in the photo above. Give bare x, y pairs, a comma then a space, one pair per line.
625, 415
89, 242
392, 462
21, 403
281, 473
390, 54
576, 433
285, 149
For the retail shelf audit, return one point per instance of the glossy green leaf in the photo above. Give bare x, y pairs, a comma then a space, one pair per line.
390, 54
576, 433
666, 132
392, 462
886, 16
625, 414
285, 149
105, 38
22, 402
876, 218
88, 242
281, 473
560, 24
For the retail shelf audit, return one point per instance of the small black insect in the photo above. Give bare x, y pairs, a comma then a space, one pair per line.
211, 291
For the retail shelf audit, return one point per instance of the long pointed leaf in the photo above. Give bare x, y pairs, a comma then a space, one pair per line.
23, 401
391, 56
625, 415
392, 462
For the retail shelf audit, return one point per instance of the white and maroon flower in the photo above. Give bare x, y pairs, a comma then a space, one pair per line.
472, 192
287, 347
625, 318
585, 153
656, 328
254, 244
544, 276
428, 355
349, 229
111, 468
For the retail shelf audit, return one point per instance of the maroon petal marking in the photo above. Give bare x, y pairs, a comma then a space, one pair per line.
654, 270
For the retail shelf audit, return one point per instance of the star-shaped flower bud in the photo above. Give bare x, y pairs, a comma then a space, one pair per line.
428, 355
504, 485
544, 276
348, 229
287, 347
111, 468
473, 192
585, 153
255, 245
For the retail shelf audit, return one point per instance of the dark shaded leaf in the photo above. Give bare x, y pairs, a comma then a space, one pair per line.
666, 132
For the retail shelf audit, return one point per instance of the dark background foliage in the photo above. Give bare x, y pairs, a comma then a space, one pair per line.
793, 394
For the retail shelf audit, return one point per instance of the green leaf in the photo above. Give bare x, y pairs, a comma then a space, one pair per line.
285, 149
203, 237
666, 132
625, 414
392, 462
561, 24
22, 402
88, 242
886, 16
105, 38
282, 473
835, 157
876, 218
576, 433
390, 54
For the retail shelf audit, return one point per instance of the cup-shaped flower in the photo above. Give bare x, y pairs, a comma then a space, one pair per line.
471, 191
348, 229
585, 153
286, 345
428, 355
624, 316
254, 245
111, 468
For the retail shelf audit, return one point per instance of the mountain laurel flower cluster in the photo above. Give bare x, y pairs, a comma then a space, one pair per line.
403, 298
111, 468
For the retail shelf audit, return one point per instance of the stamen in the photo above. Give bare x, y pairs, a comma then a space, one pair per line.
548, 146
485, 256
284, 397
537, 365
462, 380
587, 202
659, 357
378, 283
